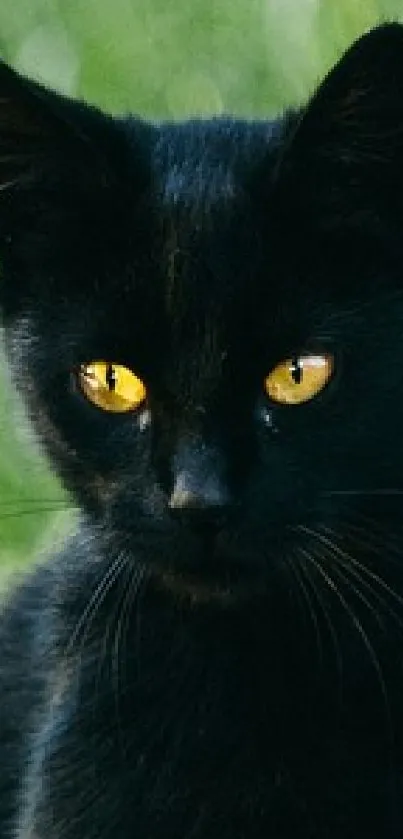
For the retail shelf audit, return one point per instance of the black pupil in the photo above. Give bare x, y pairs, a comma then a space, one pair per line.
296, 370
110, 377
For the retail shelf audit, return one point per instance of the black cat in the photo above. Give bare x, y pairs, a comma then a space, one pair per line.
206, 321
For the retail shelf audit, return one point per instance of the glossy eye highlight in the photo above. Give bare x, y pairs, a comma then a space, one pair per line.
111, 387
298, 379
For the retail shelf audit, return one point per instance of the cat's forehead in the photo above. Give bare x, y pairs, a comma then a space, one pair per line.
198, 250
203, 175
208, 161
198, 261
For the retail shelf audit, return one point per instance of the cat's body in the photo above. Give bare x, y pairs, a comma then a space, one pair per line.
218, 652
196, 731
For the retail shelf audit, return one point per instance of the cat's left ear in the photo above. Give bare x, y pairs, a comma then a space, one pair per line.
349, 138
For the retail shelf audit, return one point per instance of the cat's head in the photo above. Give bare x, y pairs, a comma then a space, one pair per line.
206, 319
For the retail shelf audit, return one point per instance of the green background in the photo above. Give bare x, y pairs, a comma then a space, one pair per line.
158, 58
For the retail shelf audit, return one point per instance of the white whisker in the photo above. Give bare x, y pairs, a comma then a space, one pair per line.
329, 622
315, 560
97, 598
306, 598
365, 492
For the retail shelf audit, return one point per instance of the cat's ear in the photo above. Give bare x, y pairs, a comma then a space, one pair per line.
47, 138
62, 159
350, 135
37, 127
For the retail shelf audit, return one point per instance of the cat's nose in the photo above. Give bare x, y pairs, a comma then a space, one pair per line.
199, 491
188, 494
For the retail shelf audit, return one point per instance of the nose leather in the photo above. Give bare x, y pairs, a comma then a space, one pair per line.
188, 493
198, 482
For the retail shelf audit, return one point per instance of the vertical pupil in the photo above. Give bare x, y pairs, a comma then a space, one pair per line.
110, 377
296, 370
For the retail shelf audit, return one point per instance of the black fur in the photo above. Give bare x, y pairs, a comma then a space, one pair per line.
232, 668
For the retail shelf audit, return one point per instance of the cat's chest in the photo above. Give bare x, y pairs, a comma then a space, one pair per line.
182, 739
187, 773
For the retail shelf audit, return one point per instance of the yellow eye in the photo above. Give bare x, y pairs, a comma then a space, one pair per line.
298, 379
111, 386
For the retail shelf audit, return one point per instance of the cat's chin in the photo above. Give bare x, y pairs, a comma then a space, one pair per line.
197, 589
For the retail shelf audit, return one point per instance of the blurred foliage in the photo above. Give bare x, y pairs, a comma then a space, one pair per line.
158, 58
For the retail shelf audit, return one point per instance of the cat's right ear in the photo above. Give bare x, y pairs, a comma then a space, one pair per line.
46, 138
38, 129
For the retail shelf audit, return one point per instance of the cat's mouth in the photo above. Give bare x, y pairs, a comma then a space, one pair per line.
205, 562
214, 565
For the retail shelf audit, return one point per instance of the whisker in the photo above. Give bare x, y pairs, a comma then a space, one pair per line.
329, 622
96, 600
115, 662
375, 542
36, 512
106, 646
352, 560
136, 588
10, 502
306, 598
133, 583
111, 622
381, 600
365, 492
337, 564
361, 632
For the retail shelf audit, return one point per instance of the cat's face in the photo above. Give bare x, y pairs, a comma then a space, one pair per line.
206, 319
